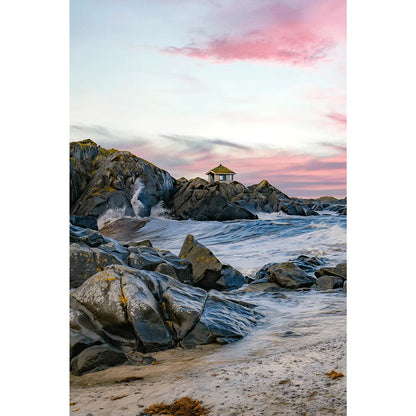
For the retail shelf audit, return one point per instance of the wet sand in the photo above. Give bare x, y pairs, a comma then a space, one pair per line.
285, 378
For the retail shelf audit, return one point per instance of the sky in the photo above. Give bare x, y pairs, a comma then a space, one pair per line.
257, 85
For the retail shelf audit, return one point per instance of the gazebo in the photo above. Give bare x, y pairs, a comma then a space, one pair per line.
220, 174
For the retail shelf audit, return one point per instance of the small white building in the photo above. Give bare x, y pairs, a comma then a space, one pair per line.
220, 174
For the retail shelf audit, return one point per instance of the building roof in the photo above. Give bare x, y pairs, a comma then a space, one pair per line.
220, 169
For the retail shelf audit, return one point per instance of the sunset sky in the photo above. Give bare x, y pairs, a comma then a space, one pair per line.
257, 85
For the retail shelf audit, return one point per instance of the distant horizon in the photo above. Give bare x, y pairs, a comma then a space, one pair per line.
259, 85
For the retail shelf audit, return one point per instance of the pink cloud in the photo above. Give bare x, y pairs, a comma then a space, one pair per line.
281, 33
337, 117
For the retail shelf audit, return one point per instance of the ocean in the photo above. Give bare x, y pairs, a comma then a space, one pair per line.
305, 317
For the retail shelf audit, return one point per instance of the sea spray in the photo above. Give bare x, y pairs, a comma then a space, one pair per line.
138, 190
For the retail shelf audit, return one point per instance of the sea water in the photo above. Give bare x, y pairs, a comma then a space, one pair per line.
290, 317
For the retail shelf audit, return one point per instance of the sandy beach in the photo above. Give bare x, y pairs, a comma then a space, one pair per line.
287, 378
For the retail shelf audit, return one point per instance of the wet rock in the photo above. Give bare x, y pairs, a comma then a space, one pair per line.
144, 243
104, 179
230, 278
101, 295
143, 312
167, 269
85, 235
308, 264
184, 307
344, 287
143, 261
329, 282
86, 261
207, 271
199, 200
340, 270
286, 275
265, 197
222, 321
84, 222
83, 332
95, 358
206, 268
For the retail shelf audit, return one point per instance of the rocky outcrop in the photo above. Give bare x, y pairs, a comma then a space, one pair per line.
328, 203
286, 275
92, 252
207, 271
265, 197
121, 308
332, 277
103, 179
199, 200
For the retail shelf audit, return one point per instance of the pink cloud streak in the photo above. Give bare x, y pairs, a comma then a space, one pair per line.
297, 36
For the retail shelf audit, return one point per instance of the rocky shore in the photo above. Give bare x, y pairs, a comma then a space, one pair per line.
103, 180
143, 317
130, 299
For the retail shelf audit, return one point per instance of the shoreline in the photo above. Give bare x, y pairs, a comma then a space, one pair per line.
287, 380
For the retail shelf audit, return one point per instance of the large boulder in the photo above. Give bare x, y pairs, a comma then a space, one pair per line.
265, 197
85, 222
91, 252
121, 308
197, 199
329, 282
224, 320
206, 268
207, 271
184, 306
340, 270
108, 179
286, 275
97, 357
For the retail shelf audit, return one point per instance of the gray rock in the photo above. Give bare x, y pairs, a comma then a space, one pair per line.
206, 268
167, 269
184, 307
340, 270
329, 282
230, 278
223, 320
286, 275
95, 358
199, 200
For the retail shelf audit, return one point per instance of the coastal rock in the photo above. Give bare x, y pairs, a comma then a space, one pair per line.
199, 200
165, 268
224, 320
86, 261
84, 222
108, 179
184, 307
340, 270
308, 264
230, 278
329, 282
91, 252
207, 271
83, 333
143, 312
206, 268
286, 275
123, 308
265, 197
95, 358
